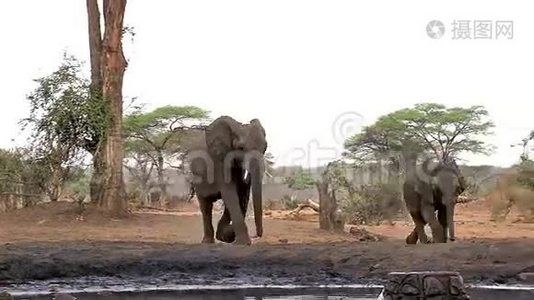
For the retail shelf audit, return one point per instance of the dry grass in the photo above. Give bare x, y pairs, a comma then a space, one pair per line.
508, 194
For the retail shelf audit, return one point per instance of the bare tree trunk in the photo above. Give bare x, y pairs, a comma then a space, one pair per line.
113, 67
328, 215
161, 180
96, 186
95, 45
95, 50
55, 187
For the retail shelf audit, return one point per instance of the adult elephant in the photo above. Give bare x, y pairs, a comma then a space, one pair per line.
226, 161
424, 195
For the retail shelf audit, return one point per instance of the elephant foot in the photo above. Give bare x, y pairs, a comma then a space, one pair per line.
411, 239
246, 241
208, 240
437, 241
226, 234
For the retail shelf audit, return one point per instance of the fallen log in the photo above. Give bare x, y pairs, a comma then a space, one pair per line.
309, 204
465, 199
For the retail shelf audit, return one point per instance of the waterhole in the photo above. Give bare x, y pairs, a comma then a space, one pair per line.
267, 293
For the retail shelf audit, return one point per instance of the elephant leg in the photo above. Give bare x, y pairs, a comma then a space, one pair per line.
442, 218
244, 196
411, 239
231, 202
448, 202
450, 220
429, 215
419, 228
225, 232
206, 208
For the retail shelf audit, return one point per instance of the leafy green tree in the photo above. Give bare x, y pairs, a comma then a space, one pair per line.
24, 176
11, 166
526, 164
157, 135
78, 183
61, 123
525, 145
431, 127
300, 180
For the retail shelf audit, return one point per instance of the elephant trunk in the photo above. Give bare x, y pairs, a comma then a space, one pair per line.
256, 173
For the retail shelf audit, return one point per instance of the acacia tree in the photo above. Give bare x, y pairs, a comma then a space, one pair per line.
140, 165
444, 132
158, 134
107, 72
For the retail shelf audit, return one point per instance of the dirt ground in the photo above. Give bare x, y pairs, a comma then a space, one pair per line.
52, 241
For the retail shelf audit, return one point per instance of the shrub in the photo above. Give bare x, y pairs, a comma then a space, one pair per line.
525, 177
513, 190
371, 204
290, 202
271, 204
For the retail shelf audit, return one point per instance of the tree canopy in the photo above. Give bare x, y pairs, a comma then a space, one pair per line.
62, 123
154, 139
158, 132
428, 127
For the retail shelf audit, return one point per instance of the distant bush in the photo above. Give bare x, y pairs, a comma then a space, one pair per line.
135, 198
290, 202
287, 202
525, 176
272, 204
77, 184
371, 204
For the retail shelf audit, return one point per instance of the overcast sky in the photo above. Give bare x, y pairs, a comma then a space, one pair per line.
298, 66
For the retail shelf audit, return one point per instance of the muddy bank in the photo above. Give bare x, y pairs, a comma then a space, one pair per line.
479, 261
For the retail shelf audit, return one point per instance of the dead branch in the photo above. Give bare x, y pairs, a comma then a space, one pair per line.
309, 204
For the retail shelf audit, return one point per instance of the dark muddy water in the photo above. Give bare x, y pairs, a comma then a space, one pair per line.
301, 293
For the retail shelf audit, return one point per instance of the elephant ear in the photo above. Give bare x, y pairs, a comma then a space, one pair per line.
219, 136
256, 123
258, 136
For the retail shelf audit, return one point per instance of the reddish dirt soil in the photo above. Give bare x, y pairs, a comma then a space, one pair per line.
51, 241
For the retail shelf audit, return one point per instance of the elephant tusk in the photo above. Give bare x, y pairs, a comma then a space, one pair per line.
245, 176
